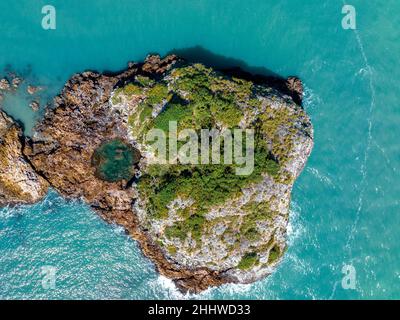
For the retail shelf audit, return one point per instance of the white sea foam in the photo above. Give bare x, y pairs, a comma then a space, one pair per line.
168, 288
368, 71
294, 229
7, 212
310, 100
320, 176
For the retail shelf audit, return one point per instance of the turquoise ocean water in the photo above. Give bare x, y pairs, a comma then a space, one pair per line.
345, 205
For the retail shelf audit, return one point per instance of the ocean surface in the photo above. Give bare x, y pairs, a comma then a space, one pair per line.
345, 205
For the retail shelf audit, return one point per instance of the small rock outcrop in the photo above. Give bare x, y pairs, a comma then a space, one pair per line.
4, 84
202, 226
19, 181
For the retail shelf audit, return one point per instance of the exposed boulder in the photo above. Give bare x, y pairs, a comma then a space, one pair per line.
19, 182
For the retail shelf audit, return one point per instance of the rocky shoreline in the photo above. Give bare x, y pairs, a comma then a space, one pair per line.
59, 154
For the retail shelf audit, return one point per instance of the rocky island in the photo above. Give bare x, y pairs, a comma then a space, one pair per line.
202, 225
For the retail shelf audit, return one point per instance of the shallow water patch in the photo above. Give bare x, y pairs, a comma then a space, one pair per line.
114, 160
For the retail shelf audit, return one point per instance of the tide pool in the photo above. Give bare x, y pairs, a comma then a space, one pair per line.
345, 204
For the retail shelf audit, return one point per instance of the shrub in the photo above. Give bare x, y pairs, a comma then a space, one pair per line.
157, 94
274, 254
145, 112
144, 81
132, 89
129, 90
172, 249
248, 261
226, 112
193, 224
173, 112
176, 231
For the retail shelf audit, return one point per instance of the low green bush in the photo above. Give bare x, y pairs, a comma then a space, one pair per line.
248, 261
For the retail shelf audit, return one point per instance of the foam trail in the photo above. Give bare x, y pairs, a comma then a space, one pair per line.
294, 228
310, 100
388, 162
363, 169
321, 177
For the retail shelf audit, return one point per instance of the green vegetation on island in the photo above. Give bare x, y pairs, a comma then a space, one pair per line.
196, 98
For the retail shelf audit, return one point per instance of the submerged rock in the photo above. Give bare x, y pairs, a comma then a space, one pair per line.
201, 224
34, 105
16, 81
33, 89
4, 84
